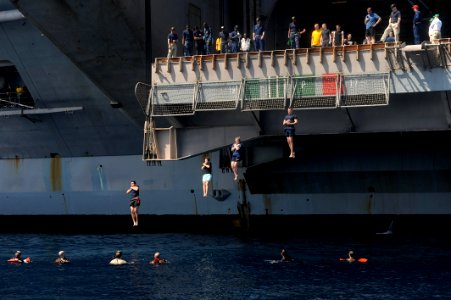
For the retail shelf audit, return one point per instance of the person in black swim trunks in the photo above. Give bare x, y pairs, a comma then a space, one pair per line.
135, 201
288, 123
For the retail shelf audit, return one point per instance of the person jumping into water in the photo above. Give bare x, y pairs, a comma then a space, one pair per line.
288, 123
135, 201
236, 156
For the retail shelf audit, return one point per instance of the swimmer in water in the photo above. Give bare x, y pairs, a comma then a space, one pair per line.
350, 257
62, 259
117, 259
157, 260
18, 258
285, 256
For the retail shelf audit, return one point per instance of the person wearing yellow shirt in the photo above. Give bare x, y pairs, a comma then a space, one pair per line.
316, 36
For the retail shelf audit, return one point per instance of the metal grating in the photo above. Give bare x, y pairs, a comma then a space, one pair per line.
265, 94
173, 100
142, 94
365, 90
218, 95
314, 92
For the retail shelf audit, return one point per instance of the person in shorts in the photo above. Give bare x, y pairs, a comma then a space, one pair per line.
289, 123
236, 156
135, 201
206, 177
371, 21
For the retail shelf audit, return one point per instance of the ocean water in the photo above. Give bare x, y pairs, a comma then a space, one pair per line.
225, 267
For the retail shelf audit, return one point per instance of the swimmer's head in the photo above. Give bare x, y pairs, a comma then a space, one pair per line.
118, 254
18, 253
61, 253
157, 254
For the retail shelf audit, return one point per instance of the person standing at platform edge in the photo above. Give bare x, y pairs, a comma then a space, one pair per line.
294, 34
187, 41
371, 21
435, 28
258, 36
394, 24
289, 123
135, 201
235, 37
208, 38
172, 43
236, 156
417, 25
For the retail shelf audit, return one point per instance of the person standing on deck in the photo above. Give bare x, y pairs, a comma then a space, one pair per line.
172, 43
371, 21
435, 29
394, 24
135, 201
294, 34
187, 41
208, 38
417, 25
258, 36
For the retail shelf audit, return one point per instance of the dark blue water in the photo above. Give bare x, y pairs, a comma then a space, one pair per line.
225, 267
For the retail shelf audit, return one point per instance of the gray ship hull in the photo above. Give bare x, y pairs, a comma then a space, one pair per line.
67, 159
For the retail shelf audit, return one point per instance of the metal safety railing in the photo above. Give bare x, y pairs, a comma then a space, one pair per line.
327, 91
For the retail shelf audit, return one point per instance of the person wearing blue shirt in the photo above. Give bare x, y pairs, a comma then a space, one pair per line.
188, 41
235, 37
417, 25
289, 123
259, 36
294, 34
172, 43
224, 35
199, 41
371, 21
208, 38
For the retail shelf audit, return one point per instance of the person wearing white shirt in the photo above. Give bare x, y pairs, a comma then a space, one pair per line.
245, 43
435, 29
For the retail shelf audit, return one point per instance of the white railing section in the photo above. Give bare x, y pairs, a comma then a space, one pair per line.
218, 95
265, 94
327, 91
315, 92
365, 90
